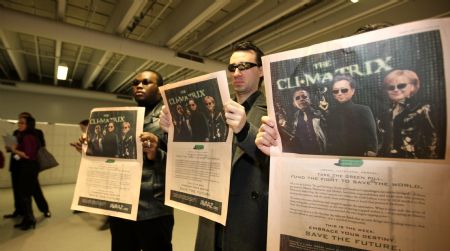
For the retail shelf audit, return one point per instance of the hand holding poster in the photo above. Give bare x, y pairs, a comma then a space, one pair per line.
111, 165
199, 159
379, 97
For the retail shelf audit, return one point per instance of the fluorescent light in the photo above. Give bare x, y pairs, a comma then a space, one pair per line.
354, 1
62, 72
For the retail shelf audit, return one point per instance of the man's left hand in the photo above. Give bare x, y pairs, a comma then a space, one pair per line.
235, 116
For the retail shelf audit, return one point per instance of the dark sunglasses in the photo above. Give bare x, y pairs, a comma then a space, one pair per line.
400, 86
241, 66
144, 81
342, 90
301, 97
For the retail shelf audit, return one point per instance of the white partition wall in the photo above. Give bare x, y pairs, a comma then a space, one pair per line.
57, 137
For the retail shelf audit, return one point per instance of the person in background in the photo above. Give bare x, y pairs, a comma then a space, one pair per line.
83, 127
25, 152
246, 224
2, 160
37, 194
153, 228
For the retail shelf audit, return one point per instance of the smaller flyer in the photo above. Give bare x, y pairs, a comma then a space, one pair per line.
199, 157
110, 172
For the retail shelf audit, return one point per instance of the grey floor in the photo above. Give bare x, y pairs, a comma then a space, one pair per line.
67, 231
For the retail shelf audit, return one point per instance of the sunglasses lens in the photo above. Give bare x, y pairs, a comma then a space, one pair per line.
344, 90
335, 91
232, 67
144, 81
401, 86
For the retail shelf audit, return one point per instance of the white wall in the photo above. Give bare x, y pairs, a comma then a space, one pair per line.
65, 108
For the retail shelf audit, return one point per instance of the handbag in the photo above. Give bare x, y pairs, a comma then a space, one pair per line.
46, 159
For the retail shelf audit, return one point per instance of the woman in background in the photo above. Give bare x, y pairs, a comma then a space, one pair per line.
25, 152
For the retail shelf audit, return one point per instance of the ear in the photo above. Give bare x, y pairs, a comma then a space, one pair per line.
260, 70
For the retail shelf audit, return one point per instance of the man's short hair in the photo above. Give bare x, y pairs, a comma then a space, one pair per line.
159, 78
84, 122
348, 78
249, 46
25, 114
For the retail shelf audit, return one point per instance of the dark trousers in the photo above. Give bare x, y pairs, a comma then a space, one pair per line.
37, 194
154, 234
27, 181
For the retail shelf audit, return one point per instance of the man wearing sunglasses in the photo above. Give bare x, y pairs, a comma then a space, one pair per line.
351, 127
246, 225
304, 132
153, 228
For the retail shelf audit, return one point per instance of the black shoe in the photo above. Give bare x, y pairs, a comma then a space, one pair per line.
47, 214
26, 224
13, 215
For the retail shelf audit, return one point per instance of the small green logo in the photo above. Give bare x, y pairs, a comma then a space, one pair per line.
350, 162
110, 161
199, 147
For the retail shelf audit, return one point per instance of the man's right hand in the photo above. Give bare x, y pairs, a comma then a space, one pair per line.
164, 119
267, 135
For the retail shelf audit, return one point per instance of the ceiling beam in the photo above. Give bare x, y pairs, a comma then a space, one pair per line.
229, 19
122, 15
12, 46
25, 23
203, 16
261, 17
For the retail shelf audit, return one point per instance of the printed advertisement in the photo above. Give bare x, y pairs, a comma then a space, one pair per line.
362, 153
199, 161
110, 171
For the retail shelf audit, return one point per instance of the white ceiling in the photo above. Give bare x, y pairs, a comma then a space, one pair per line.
106, 42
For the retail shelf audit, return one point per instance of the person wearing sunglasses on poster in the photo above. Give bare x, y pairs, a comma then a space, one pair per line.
304, 133
351, 128
406, 128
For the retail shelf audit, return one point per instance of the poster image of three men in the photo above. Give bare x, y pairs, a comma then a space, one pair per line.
197, 112
112, 134
380, 99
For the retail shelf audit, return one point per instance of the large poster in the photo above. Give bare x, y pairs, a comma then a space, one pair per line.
199, 160
110, 171
362, 155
